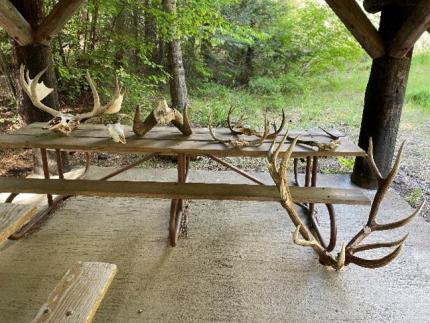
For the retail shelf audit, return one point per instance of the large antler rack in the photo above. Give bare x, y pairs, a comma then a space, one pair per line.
162, 115
302, 235
65, 123
238, 127
242, 143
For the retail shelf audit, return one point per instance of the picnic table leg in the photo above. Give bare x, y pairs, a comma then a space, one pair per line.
46, 172
43, 214
177, 206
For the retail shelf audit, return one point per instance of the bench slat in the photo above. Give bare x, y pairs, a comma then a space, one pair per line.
78, 295
13, 217
193, 191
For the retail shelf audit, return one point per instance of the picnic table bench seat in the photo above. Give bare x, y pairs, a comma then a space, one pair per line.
12, 217
77, 296
174, 190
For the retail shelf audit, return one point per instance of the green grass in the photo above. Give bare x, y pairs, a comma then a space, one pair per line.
333, 99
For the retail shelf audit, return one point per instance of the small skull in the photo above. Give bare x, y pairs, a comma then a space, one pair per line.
116, 131
63, 123
163, 114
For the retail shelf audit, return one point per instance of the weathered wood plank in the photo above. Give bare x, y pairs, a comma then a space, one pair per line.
164, 140
353, 17
56, 19
416, 24
13, 217
78, 295
193, 191
15, 24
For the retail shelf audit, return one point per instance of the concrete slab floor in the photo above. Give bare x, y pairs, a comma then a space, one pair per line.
238, 263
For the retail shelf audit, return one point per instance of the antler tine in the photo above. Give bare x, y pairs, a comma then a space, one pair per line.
35, 97
393, 173
379, 245
260, 141
400, 223
372, 162
281, 127
375, 263
230, 126
300, 241
212, 132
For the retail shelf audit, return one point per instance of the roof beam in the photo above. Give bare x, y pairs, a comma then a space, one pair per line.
57, 18
353, 17
374, 6
15, 24
415, 25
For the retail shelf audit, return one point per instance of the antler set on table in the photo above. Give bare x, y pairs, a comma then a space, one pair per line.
239, 129
162, 115
65, 123
302, 235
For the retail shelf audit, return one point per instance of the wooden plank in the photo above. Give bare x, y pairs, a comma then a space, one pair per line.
193, 191
57, 18
354, 18
165, 140
78, 295
15, 24
13, 217
417, 23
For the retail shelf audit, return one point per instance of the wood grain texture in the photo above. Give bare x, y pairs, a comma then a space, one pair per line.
162, 140
192, 191
353, 17
12, 217
416, 24
57, 18
79, 293
15, 24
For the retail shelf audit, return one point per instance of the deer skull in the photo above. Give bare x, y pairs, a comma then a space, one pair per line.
65, 123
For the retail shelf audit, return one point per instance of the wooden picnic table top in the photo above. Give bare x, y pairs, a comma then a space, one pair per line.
166, 140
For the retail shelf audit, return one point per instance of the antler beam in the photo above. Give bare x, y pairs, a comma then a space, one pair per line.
302, 235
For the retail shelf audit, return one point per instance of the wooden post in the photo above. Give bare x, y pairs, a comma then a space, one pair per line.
384, 100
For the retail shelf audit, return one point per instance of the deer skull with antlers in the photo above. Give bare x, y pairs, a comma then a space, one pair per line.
303, 236
65, 123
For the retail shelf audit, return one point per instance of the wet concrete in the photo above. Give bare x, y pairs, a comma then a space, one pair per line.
237, 264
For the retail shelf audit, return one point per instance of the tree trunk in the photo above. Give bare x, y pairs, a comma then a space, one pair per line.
178, 86
36, 58
384, 100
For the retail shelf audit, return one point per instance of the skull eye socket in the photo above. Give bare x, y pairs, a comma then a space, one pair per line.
67, 120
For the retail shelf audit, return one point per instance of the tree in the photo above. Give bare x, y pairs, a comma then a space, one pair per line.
178, 85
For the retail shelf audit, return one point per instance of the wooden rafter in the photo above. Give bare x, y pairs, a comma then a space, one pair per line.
56, 19
15, 24
353, 17
416, 24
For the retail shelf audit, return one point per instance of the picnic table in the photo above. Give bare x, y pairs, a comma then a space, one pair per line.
169, 141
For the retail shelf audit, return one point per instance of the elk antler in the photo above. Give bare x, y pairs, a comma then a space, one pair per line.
239, 129
241, 143
65, 123
346, 254
163, 115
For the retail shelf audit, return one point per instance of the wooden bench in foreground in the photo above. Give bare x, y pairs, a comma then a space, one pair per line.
78, 295
13, 217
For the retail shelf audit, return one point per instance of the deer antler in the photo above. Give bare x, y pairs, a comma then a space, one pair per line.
238, 129
63, 122
163, 115
346, 254
241, 143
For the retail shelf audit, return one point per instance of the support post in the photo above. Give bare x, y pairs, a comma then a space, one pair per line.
384, 100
